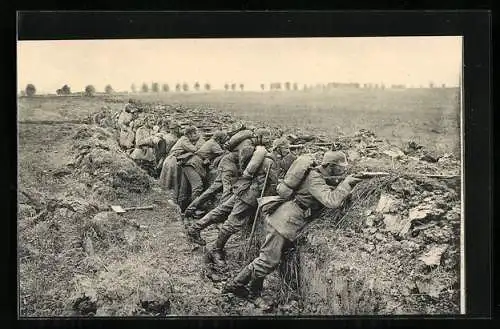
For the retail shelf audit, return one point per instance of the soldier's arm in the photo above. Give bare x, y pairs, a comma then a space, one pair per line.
188, 146
217, 149
327, 196
228, 178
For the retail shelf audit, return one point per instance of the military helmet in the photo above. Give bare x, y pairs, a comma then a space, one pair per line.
259, 132
281, 142
219, 136
334, 157
190, 130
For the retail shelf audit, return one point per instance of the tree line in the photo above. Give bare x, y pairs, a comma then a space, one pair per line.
156, 87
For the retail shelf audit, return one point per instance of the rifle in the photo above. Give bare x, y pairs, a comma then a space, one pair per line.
335, 180
257, 213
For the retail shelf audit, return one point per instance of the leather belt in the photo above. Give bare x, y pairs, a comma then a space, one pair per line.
301, 205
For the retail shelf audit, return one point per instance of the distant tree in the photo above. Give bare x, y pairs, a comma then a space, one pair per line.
287, 86
382, 86
233, 86
133, 88
155, 87
278, 85
304, 87
443, 85
65, 90
262, 86
30, 90
185, 87
207, 86
59, 91
196, 86
295, 86
108, 89
165, 88
145, 88
178, 87
242, 86
431, 84
226, 87
22, 93
89, 90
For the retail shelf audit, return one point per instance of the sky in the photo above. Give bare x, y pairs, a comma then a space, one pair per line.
412, 61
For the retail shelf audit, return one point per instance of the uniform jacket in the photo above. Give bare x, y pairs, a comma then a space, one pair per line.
249, 189
207, 152
182, 146
314, 193
170, 140
283, 163
228, 172
143, 145
124, 119
210, 150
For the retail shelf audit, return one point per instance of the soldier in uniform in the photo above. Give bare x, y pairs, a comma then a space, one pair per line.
145, 141
212, 151
195, 168
282, 156
287, 220
171, 176
245, 193
242, 201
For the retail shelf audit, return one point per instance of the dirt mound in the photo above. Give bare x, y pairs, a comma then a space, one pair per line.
102, 165
394, 252
50, 244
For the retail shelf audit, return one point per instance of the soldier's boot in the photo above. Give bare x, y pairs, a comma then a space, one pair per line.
237, 285
194, 230
217, 252
255, 287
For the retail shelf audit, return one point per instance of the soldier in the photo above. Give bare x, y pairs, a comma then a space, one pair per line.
169, 136
290, 217
209, 152
195, 168
228, 173
283, 157
242, 202
128, 114
145, 141
245, 193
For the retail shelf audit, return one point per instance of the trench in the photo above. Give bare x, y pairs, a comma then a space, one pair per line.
329, 272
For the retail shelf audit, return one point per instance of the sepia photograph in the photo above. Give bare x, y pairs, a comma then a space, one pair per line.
240, 177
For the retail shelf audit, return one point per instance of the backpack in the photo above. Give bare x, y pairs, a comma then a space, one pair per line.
295, 175
237, 138
255, 161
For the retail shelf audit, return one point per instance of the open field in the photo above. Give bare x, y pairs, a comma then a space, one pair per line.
78, 258
430, 117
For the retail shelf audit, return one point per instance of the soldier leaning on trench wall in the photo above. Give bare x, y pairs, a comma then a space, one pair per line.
286, 219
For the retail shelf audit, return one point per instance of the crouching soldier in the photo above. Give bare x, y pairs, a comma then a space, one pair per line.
290, 217
196, 166
145, 141
210, 152
171, 176
245, 193
282, 156
228, 173
242, 202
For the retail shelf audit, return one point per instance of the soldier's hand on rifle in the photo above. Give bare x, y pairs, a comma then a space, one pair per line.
352, 181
